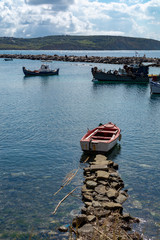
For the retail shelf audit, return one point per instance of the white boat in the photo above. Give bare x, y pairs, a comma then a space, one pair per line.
101, 139
154, 85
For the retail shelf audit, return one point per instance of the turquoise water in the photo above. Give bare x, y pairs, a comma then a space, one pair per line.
42, 120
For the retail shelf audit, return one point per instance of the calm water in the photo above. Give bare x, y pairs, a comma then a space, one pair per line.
41, 122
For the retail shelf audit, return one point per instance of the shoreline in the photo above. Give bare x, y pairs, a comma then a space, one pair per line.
88, 59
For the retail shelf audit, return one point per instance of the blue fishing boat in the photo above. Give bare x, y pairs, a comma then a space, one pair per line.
43, 71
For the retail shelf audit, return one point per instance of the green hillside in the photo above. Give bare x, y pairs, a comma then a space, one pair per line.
66, 42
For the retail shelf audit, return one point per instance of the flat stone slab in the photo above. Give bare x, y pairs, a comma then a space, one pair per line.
115, 185
100, 189
91, 218
100, 162
112, 193
96, 167
102, 198
121, 198
88, 203
90, 178
100, 157
111, 205
84, 189
87, 228
96, 204
88, 197
91, 184
102, 175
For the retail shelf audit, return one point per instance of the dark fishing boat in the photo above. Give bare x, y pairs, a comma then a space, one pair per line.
43, 71
135, 73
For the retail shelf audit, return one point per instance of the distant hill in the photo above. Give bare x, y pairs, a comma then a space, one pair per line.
67, 42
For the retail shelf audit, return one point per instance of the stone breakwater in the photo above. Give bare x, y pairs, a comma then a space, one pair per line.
102, 216
87, 59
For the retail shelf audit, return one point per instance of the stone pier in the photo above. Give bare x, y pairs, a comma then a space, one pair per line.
87, 59
102, 216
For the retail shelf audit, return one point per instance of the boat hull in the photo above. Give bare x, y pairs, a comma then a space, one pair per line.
100, 139
155, 87
97, 146
40, 73
105, 77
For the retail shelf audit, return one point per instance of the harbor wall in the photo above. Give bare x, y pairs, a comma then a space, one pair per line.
88, 59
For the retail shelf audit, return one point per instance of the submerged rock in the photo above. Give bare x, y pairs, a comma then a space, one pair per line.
63, 229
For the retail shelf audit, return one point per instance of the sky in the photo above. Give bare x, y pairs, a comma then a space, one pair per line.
38, 18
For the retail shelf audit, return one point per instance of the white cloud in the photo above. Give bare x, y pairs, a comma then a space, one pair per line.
33, 18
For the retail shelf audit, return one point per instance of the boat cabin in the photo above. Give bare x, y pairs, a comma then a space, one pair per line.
44, 68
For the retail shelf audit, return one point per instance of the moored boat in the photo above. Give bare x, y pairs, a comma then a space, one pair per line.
101, 139
135, 73
43, 71
8, 59
155, 84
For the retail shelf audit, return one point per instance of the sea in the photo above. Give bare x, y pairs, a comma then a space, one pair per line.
42, 120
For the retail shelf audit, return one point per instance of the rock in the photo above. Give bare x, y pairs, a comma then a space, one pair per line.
112, 193
100, 197
63, 229
90, 210
96, 167
91, 218
90, 178
115, 166
91, 184
86, 190
80, 220
112, 206
115, 185
83, 210
100, 189
100, 157
87, 228
96, 204
114, 174
88, 203
87, 197
103, 213
102, 175
127, 216
101, 162
121, 198
102, 182
124, 193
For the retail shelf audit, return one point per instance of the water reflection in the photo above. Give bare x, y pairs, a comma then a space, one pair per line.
44, 80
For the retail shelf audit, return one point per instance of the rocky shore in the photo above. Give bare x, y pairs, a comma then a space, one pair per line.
102, 216
87, 59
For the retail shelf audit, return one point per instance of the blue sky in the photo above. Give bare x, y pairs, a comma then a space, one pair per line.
37, 18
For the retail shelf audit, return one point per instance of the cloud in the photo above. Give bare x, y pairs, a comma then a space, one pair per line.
34, 18
57, 5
